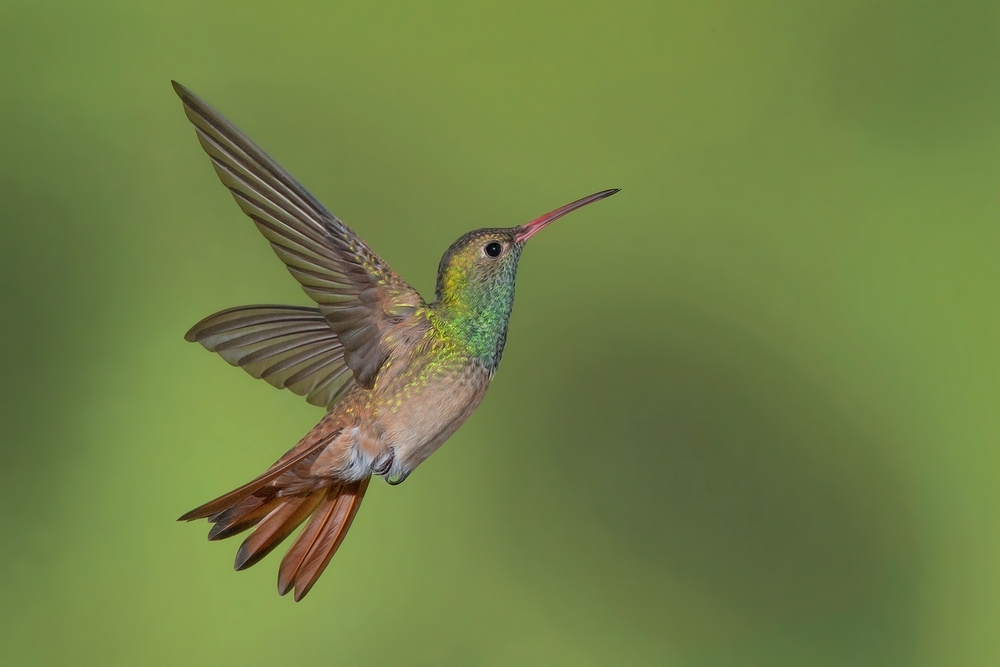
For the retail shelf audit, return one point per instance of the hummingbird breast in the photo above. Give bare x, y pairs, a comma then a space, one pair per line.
424, 397
424, 392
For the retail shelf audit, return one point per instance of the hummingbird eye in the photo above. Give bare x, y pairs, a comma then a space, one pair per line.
493, 249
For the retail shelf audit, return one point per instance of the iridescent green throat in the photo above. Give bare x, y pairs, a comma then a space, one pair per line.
473, 306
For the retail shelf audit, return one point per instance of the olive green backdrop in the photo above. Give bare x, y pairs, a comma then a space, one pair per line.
748, 413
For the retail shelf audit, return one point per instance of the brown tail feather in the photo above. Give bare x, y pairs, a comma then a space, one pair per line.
303, 543
231, 499
243, 515
316, 545
276, 503
278, 525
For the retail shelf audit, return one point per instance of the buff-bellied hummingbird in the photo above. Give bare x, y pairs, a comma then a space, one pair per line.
396, 374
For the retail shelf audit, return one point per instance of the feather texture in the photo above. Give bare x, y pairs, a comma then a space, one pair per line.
319, 541
298, 454
280, 500
275, 527
361, 298
287, 346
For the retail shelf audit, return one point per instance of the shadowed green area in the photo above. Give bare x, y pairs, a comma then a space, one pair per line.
747, 413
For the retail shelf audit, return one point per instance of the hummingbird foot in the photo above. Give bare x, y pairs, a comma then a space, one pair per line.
383, 464
398, 479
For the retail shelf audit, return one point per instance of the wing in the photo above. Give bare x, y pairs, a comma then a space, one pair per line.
361, 298
288, 346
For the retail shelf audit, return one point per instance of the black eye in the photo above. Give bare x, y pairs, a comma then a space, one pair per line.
493, 249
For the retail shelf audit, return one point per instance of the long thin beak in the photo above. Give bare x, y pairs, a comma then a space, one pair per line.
525, 232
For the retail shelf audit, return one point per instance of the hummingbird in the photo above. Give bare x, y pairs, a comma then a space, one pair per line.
397, 375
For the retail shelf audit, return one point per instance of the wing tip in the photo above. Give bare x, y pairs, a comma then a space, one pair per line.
181, 91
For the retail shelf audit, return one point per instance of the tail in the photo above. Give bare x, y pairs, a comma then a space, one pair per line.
276, 503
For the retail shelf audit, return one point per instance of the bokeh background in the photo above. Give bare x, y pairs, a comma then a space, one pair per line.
748, 409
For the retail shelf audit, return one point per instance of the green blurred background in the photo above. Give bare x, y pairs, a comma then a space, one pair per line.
748, 409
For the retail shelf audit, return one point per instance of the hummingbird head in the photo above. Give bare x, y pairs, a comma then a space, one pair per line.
475, 281
476, 265
486, 259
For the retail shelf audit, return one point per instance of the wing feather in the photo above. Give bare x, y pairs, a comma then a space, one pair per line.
287, 346
359, 296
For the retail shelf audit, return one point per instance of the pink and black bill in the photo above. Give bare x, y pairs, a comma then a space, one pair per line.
526, 231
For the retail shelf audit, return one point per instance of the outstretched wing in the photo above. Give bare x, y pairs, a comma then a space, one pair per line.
289, 347
361, 298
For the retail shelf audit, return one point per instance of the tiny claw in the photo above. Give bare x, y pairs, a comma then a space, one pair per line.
383, 464
399, 479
